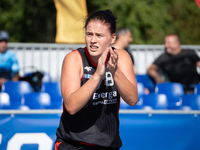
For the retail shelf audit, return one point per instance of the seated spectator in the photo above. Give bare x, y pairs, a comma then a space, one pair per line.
123, 39
9, 68
177, 64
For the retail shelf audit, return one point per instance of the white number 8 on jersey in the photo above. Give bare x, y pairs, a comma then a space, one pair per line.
109, 79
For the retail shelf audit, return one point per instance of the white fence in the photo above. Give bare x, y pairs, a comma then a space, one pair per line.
49, 57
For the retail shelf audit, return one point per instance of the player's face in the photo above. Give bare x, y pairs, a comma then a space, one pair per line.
98, 38
171, 44
3, 45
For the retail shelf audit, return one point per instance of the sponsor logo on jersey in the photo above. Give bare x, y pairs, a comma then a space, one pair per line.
109, 98
87, 76
105, 102
88, 68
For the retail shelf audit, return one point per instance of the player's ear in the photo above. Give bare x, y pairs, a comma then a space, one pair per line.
113, 38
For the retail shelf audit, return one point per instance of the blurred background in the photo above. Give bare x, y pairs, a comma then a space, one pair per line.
42, 32
149, 20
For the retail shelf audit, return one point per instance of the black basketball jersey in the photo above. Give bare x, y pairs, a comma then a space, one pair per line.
98, 121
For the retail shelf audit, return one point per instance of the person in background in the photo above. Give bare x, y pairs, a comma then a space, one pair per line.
179, 65
92, 80
9, 67
123, 40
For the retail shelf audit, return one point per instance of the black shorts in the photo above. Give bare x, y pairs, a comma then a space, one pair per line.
77, 146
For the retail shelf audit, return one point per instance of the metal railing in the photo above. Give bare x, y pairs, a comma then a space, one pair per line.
121, 111
49, 57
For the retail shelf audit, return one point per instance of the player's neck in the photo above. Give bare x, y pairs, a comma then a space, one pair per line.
118, 45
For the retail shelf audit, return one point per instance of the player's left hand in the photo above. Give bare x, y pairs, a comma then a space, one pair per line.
113, 61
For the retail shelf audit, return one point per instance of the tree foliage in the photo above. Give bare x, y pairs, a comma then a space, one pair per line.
28, 21
149, 20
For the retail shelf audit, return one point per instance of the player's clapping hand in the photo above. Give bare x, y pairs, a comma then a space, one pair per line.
113, 61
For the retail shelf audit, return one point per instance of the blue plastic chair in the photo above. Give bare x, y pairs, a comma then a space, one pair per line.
37, 100
4, 100
124, 105
147, 81
16, 90
197, 89
141, 91
46, 77
20, 87
155, 101
16, 101
190, 102
173, 91
140, 88
53, 89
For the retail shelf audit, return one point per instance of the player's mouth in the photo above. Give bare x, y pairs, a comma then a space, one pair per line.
93, 48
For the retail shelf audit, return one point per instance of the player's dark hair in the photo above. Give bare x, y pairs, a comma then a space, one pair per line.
106, 17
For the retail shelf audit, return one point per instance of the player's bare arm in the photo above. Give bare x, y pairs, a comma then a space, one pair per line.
74, 95
121, 68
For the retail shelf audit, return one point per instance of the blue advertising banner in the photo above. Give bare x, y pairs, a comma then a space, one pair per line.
137, 131
160, 132
28, 131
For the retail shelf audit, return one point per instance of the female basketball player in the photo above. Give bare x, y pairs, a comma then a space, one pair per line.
92, 80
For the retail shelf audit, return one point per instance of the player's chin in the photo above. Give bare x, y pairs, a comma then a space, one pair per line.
94, 53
